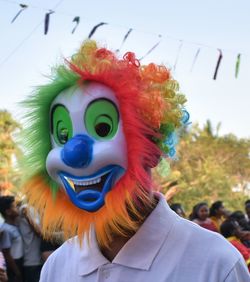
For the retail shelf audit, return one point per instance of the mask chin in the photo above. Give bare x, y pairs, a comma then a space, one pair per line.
88, 192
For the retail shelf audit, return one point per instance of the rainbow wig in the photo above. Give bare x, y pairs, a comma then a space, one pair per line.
152, 110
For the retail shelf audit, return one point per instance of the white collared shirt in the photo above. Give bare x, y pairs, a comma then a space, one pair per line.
166, 248
15, 238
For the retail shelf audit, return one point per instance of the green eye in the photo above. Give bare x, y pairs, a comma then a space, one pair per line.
61, 124
101, 119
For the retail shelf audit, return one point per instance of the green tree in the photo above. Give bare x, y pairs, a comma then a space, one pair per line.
9, 151
208, 167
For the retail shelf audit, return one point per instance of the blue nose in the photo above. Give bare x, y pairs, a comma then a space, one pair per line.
78, 151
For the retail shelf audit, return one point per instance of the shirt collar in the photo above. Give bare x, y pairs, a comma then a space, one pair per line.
139, 252
90, 255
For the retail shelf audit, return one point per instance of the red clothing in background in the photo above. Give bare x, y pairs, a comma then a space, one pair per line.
241, 248
208, 224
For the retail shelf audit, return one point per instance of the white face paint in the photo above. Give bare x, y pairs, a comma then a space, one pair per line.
107, 155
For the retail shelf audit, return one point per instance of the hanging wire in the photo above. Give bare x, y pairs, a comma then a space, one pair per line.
140, 31
124, 39
195, 59
5, 59
178, 54
13, 51
151, 49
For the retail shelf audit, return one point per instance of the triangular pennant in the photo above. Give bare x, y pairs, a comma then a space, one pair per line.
124, 39
23, 7
237, 66
77, 21
93, 30
218, 64
46, 21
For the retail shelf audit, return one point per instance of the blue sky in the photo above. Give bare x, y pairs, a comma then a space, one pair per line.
27, 55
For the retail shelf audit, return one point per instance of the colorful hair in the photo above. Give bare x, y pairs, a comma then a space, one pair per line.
151, 110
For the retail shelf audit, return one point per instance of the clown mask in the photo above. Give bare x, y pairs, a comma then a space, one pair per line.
88, 154
91, 136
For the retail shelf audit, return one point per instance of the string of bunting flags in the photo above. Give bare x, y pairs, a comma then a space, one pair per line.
76, 20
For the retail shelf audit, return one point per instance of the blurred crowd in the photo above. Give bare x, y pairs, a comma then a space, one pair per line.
23, 250
233, 225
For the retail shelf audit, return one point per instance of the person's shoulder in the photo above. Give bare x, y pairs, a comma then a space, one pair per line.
59, 260
69, 249
209, 242
192, 245
70, 246
7, 228
238, 273
12, 230
5, 225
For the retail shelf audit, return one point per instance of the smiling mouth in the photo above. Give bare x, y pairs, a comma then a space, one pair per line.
88, 192
94, 184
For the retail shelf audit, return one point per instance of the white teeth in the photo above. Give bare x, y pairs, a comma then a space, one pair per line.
84, 183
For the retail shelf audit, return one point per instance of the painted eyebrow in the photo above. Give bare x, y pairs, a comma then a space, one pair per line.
106, 99
52, 113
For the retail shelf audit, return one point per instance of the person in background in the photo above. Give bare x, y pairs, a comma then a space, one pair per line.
247, 210
178, 208
31, 235
200, 215
241, 219
3, 274
14, 254
245, 226
217, 213
49, 246
232, 231
4, 244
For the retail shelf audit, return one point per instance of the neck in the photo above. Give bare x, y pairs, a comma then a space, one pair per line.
118, 241
114, 247
10, 220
